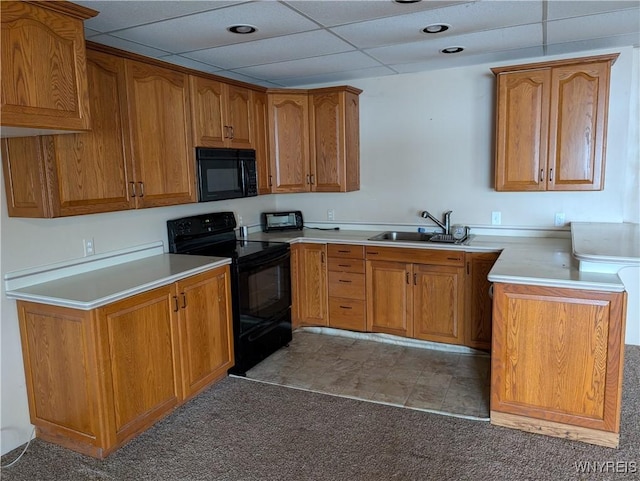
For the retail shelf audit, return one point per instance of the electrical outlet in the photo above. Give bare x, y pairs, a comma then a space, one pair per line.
89, 248
496, 218
331, 214
559, 219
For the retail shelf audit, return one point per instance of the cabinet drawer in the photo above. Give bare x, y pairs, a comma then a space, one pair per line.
346, 250
347, 314
416, 256
339, 264
346, 284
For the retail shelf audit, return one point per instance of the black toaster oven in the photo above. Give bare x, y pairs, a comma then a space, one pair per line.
277, 221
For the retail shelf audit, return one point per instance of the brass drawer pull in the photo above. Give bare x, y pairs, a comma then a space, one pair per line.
176, 308
344, 265
346, 307
345, 281
453, 258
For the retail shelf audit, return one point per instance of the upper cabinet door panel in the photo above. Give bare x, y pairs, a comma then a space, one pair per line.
92, 170
161, 135
44, 82
207, 111
523, 116
289, 142
239, 116
327, 142
579, 99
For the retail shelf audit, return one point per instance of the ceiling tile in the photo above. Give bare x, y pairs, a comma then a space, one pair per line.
278, 49
115, 15
337, 76
594, 44
330, 13
473, 43
593, 26
190, 63
209, 29
128, 46
462, 18
557, 9
311, 66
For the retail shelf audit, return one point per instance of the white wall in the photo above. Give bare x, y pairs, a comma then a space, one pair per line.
426, 143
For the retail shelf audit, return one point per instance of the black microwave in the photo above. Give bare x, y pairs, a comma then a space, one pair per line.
226, 173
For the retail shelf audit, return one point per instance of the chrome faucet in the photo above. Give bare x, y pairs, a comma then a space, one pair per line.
445, 226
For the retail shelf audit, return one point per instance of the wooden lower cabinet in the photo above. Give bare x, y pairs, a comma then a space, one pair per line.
389, 298
557, 358
310, 284
478, 309
96, 379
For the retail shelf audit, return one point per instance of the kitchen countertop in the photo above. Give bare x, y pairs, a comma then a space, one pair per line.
540, 261
96, 288
609, 243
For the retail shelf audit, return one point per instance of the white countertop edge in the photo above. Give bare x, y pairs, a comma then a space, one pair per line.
548, 282
87, 306
595, 259
37, 275
408, 244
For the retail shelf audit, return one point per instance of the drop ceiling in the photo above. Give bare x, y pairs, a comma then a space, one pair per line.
298, 43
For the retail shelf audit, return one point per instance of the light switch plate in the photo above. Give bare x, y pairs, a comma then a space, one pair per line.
559, 219
496, 217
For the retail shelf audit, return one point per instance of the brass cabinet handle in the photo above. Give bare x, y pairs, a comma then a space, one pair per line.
313, 179
308, 179
184, 300
322, 257
270, 180
541, 175
407, 277
346, 307
415, 279
132, 184
141, 189
550, 175
344, 281
175, 305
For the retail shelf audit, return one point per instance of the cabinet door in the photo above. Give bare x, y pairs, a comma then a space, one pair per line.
161, 135
260, 141
206, 340
579, 102
239, 115
44, 81
311, 283
389, 298
335, 135
91, 172
557, 357
140, 337
522, 126
289, 142
478, 317
438, 303
207, 112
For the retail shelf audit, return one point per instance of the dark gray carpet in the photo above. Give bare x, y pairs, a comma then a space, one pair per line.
245, 430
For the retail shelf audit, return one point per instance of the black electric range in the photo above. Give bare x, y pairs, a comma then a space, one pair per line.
260, 282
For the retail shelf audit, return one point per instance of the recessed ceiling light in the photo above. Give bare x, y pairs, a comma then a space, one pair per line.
407, 1
242, 29
452, 50
436, 28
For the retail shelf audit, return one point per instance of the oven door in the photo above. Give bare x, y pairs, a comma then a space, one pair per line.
264, 293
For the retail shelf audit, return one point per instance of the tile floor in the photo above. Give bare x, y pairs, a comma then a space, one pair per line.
412, 377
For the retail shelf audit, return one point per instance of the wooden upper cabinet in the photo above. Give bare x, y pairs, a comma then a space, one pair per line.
163, 153
335, 139
551, 124
44, 79
261, 140
289, 142
84, 173
221, 114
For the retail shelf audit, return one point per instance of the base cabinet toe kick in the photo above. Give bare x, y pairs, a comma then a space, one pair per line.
556, 361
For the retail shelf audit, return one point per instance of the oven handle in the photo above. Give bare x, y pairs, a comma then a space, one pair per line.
263, 262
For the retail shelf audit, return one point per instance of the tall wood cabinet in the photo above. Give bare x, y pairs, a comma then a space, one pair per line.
95, 379
479, 310
160, 135
310, 284
557, 360
551, 125
221, 114
44, 80
334, 139
416, 293
289, 141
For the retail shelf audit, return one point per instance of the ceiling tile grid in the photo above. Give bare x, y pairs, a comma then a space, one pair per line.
314, 41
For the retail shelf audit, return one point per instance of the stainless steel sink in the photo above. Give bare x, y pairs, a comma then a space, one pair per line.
394, 236
402, 236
